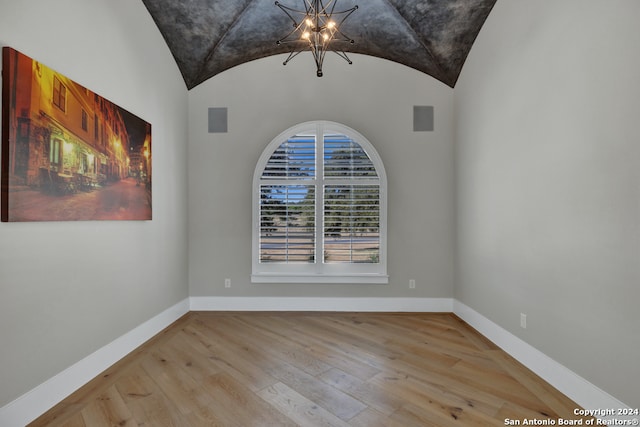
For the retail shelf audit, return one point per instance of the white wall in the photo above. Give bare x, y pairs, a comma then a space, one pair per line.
69, 288
548, 194
374, 97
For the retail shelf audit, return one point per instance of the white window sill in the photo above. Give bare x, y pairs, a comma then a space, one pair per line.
320, 278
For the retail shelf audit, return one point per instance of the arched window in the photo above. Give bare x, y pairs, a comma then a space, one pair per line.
319, 208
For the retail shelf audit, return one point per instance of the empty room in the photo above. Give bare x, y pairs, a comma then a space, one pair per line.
435, 224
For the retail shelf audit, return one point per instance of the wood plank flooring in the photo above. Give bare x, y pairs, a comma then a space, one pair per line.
313, 369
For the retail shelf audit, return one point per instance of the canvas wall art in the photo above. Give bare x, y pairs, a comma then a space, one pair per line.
69, 154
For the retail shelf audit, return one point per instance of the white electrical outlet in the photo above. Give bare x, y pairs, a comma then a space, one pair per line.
227, 283
523, 321
412, 284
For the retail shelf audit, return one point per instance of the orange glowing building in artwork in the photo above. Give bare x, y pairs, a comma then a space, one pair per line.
61, 138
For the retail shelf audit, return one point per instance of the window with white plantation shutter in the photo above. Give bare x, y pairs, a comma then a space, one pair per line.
319, 208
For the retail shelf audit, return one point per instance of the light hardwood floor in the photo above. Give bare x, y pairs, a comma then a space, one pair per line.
313, 369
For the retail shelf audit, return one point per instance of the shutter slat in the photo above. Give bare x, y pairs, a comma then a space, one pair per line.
294, 159
287, 223
344, 157
351, 223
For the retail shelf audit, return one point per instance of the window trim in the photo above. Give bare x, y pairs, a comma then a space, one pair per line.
311, 273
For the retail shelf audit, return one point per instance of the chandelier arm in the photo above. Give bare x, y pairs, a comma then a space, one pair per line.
345, 38
333, 5
321, 57
348, 13
343, 55
284, 39
292, 55
287, 9
308, 7
294, 42
319, 7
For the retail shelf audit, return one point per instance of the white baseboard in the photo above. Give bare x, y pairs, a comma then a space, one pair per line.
34, 403
321, 304
568, 382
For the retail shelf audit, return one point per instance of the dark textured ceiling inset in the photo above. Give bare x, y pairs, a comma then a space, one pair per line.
207, 37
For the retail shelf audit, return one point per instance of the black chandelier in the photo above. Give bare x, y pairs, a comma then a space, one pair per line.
316, 28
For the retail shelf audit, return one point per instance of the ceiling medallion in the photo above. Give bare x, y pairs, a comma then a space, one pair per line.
316, 28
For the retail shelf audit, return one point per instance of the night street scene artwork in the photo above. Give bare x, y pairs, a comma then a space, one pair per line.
67, 153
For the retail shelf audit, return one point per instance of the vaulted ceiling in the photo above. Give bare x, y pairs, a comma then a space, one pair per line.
207, 37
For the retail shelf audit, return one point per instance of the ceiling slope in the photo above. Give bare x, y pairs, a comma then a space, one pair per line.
207, 37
